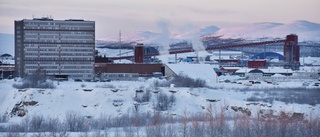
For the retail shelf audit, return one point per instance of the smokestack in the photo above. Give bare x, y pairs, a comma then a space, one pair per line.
138, 53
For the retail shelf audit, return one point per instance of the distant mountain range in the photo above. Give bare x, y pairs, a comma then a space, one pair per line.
159, 38
307, 31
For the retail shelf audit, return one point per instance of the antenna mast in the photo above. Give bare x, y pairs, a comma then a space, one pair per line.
120, 43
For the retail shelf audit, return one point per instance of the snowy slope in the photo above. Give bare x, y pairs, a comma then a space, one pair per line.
148, 37
196, 34
145, 37
138, 36
307, 31
70, 96
195, 71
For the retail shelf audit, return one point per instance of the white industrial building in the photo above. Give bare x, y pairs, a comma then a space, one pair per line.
61, 47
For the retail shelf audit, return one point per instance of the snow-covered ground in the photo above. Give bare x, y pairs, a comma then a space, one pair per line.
117, 98
71, 96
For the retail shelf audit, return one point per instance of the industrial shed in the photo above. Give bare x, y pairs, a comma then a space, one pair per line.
268, 55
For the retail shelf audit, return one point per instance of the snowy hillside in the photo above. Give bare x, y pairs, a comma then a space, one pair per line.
82, 108
195, 34
307, 31
148, 37
138, 37
117, 97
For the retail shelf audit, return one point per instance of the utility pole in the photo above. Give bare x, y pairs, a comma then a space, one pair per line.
1, 68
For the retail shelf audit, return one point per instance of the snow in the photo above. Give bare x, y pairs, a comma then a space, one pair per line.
7, 61
307, 31
114, 52
196, 33
268, 70
310, 61
278, 75
158, 38
122, 61
195, 71
70, 96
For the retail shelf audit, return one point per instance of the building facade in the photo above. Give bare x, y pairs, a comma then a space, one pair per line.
60, 47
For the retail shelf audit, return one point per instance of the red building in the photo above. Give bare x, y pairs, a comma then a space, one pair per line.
142, 69
138, 53
257, 64
291, 52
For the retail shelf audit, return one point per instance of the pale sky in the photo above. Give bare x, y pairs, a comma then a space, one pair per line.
169, 16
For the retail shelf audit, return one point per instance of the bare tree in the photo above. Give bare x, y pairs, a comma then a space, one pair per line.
14, 134
4, 118
76, 122
242, 127
37, 123
184, 124
164, 102
313, 125
37, 79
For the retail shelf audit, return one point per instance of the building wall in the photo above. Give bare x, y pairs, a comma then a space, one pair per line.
138, 54
257, 64
61, 47
120, 76
169, 72
142, 69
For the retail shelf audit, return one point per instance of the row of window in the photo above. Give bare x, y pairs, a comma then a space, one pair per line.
77, 67
63, 67
59, 37
82, 63
71, 41
57, 27
33, 32
56, 59
69, 72
60, 45
61, 50
62, 33
59, 54
60, 28
62, 23
44, 67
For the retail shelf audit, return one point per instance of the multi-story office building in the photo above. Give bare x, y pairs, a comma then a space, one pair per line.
61, 47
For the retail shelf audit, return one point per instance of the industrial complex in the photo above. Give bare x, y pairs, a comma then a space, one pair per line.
67, 49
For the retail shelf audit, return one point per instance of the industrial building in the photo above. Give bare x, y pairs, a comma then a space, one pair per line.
6, 66
63, 48
290, 60
128, 71
291, 52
